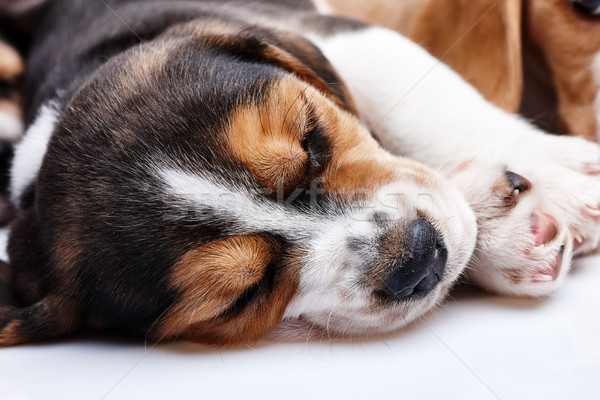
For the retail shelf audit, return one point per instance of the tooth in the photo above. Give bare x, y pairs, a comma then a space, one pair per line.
544, 278
516, 193
577, 237
539, 247
593, 212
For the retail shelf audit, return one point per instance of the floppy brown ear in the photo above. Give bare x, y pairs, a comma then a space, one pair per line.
300, 57
394, 14
233, 290
294, 54
481, 40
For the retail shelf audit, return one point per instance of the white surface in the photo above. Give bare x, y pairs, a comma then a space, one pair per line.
476, 346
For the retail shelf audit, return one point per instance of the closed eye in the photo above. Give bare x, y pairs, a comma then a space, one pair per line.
255, 292
314, 141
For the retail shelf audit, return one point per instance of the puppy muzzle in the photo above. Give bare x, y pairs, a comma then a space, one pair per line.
417, 276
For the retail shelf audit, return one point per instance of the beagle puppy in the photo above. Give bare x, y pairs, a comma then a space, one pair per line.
540, 58
223, 171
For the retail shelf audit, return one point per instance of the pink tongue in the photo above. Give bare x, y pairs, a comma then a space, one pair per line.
543, 226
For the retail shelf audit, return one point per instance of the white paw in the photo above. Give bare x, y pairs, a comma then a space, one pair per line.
536, 209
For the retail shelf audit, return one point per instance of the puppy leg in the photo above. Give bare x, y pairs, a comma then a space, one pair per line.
46, 319
38, 300
536, 196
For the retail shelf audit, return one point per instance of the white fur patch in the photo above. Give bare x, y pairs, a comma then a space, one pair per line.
256, 216
322, 7
30, 153
11, 127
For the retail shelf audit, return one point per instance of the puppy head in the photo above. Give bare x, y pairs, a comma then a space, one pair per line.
485, 42
568, 36
480, 39
228, 188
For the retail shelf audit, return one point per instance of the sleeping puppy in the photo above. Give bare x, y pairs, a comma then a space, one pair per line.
540, 58
197, 170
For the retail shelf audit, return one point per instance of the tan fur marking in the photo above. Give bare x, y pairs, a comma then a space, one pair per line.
9, 335
481, 40
53, 316
211, 279
228, 267
359, 166
393, 14
500, 188
11, 107
291, 64
569, 42
456, 31
513, 276
12, 66
267, 140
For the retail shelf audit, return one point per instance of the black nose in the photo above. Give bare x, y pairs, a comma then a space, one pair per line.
422, 271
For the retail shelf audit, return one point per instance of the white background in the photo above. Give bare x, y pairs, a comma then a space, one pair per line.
476, 346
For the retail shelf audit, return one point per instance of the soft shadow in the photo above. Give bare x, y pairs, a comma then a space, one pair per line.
465, 292
462, 293
191, 348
